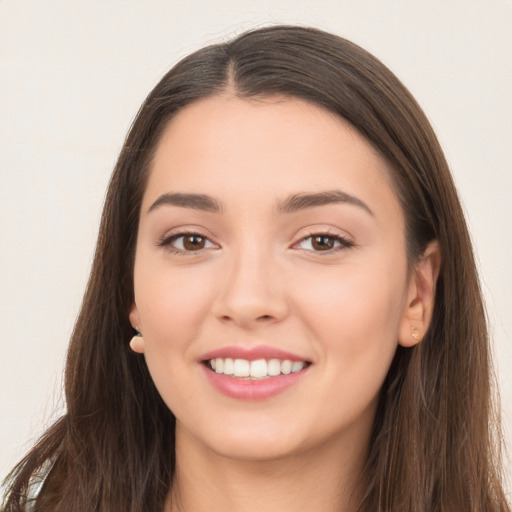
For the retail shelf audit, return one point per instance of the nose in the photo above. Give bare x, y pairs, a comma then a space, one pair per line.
251, 292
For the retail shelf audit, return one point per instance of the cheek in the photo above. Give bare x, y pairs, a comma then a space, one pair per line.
170, 304
355, 298
353, 318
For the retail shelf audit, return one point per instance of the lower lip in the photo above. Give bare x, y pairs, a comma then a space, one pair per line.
246, 389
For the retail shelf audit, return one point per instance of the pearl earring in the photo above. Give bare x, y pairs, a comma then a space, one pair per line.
137, 343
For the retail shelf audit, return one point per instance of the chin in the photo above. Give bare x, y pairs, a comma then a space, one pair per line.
246, 440
255, 449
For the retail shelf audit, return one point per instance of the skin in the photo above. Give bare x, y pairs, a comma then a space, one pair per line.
257, 279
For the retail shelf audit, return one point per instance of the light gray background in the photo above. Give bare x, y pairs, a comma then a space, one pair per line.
72, 75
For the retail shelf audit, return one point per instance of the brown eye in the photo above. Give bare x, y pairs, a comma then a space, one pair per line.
322, 242
186, 243
193, 242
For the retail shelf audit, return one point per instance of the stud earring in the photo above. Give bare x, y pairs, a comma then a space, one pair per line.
415, 334
137, 343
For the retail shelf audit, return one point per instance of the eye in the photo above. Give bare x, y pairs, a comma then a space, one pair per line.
186, 242
324, 242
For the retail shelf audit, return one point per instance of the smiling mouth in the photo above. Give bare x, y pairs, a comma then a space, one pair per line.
254, 370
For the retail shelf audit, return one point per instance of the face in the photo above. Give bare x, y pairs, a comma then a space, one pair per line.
270, 276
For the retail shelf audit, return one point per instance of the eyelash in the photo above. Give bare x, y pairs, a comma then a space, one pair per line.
166, 243
344, 243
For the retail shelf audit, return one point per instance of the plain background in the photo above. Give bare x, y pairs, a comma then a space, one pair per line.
72, 76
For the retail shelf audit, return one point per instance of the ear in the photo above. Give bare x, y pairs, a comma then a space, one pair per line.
137, 342
421, 292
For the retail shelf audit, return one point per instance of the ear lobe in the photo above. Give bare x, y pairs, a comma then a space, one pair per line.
134, 317
421, 295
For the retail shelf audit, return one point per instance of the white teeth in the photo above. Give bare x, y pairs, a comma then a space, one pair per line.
286, 367
241, 368
274, 367
258, 369
296, 366
229, 367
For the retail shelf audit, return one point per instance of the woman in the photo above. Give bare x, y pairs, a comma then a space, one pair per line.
283, 311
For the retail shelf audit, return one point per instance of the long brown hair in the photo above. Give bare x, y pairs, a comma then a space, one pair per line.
434, 445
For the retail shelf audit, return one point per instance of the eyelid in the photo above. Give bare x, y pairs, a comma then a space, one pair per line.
344, 241
166, 241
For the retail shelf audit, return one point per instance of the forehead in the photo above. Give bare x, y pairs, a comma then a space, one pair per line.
261, 148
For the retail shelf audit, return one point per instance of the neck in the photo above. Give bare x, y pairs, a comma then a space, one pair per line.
324, 479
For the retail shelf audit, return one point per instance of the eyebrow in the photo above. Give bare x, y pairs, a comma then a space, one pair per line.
294, 203
194, 201
299, 202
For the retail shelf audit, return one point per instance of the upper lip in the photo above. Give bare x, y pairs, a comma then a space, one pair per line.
251, 353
